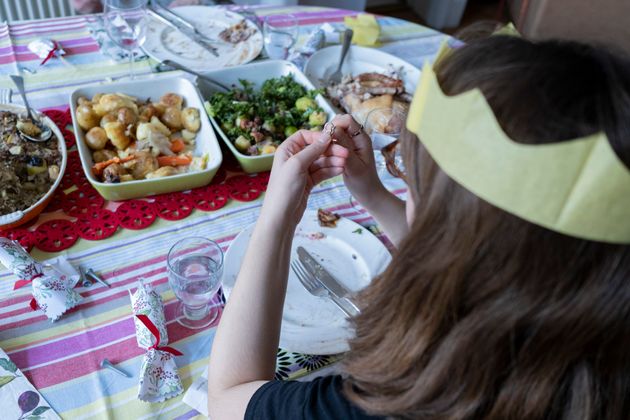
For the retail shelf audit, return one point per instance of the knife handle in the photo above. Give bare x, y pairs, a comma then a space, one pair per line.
345, 305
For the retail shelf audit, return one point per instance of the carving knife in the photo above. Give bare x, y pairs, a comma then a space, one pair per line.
200, 40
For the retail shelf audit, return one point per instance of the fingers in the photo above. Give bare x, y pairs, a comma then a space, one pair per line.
353, 130
337, 150
319, 142
327, 162
323, 174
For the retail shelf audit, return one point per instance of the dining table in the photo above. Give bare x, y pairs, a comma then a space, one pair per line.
128, 240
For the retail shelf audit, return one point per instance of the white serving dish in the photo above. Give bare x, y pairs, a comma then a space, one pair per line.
206, 141
359, 60
256, 73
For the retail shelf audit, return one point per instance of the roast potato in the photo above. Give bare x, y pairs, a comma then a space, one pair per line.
191, 120
103, 155
111, 102
86, 117
96, 138
111, 117
172, 117
127, 116
172, 100
116, 133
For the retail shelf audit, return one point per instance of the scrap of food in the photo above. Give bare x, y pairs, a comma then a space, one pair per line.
258, 121
131, 139
238, 32
27, 169
360, 94
327, 219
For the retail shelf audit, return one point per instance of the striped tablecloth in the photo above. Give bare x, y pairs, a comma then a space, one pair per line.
62, 358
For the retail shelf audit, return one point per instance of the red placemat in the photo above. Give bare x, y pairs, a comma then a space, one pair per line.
136, 214
56, 235
173, 206
81, 201
93, 221
97, 224
244, 188
210, 198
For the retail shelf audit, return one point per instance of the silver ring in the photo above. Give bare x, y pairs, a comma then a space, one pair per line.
331, 128
356, 133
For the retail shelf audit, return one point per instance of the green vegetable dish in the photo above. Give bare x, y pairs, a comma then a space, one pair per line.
257, 122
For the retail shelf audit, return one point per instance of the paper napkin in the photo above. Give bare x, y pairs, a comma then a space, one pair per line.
53, 285
18, 398
366, 29
159, 379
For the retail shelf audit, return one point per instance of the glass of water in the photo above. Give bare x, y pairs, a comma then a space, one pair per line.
195, 267
280, 33
384, 126
126, 25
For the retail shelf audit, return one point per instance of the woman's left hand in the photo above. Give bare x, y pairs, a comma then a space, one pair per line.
302, 161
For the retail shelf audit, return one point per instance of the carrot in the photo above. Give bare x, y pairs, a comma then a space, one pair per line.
99, 167
177, 145
174, 160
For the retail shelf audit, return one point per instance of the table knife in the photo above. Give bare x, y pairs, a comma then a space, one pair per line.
172, 16
200, 40
324, 277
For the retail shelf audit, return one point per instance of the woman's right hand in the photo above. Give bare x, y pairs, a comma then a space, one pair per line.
360, 175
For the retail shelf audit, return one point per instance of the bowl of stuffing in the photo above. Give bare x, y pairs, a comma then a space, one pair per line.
29, 172
145, 137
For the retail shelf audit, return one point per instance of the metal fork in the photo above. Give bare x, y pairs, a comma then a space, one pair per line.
314, 287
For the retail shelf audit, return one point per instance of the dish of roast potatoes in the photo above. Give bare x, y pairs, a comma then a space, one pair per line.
133, 139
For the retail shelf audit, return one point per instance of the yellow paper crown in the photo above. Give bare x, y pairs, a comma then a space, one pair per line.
578, 187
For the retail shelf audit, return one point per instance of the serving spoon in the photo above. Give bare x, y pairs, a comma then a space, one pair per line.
46, 132
208, 79
335, 78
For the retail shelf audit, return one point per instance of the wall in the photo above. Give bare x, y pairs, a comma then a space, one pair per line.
600, 21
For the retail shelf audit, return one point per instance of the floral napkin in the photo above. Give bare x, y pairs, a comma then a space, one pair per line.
159, 379
53, 289
18, 398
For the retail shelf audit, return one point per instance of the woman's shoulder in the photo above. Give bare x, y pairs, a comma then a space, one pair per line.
321, 398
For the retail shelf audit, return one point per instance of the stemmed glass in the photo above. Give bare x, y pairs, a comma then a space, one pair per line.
195, 267
279, 35
384, 126
126, 25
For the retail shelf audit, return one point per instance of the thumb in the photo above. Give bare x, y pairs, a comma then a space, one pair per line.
314, 150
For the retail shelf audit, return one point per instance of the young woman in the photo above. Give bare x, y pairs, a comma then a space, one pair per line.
481, 314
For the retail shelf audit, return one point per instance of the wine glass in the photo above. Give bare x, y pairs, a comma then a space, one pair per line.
195, 267
384, 126
280, 33
126, 25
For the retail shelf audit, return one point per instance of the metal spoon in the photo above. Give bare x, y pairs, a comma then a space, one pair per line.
46, 132
208, 79
335, 78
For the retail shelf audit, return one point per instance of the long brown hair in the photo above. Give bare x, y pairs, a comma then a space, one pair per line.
482, 315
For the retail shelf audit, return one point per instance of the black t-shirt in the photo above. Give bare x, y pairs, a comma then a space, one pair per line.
319, 399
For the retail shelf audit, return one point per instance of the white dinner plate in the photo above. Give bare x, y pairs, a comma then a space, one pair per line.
165, 43
312, 325
359, 60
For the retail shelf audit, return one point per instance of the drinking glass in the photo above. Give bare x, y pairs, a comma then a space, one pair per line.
195, 267
384, 125
279, 34
126, 25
